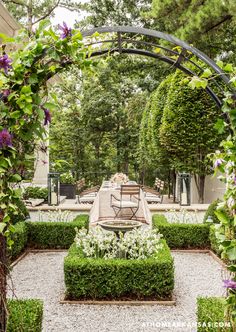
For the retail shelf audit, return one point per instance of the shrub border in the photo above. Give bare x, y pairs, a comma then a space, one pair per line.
175, 233
54, 235
25, 229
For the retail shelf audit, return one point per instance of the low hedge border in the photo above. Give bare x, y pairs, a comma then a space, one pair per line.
25, 315
45, 235
210, 315
182, 236
88, 278
20, 238
54, 235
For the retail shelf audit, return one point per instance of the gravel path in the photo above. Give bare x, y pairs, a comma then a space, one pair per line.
40, 275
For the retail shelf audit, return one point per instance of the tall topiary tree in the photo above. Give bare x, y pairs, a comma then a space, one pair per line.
153, 158
158, 101
187, 131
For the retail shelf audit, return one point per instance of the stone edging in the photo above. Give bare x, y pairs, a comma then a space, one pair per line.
117, 302
202, 251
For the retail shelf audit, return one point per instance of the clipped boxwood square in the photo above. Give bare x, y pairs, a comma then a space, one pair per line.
25, 315
90, 278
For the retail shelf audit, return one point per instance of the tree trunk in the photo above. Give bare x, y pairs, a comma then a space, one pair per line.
174, 186
169, 184
126, 163
142, 176
200, 184
118, 167
201, 188
3, 282
30, 17
97, 154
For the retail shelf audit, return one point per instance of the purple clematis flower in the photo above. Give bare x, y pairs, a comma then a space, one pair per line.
230, 284
47, 118
5, 63
5, 139
66, 31
218, 162
235, 179
4, 94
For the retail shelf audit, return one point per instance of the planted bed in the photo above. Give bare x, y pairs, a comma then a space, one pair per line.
100, 278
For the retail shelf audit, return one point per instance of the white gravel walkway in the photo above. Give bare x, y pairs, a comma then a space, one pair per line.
40, 275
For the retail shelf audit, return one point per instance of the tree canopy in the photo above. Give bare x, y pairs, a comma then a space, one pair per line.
31, 12
209, 25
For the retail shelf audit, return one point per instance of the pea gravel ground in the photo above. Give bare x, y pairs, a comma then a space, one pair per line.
40, 275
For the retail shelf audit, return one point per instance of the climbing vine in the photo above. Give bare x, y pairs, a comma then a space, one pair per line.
26, 65
224, 161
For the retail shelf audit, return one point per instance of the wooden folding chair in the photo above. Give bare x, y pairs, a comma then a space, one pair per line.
129, 199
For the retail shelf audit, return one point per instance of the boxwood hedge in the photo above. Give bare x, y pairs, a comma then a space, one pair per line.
118, 278
180, 235
54, 235
25, 315
20, 238
210, 315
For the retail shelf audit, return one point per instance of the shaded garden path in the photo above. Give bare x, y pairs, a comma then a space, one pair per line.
40, 275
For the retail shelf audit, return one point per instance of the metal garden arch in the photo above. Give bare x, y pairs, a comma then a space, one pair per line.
141, 41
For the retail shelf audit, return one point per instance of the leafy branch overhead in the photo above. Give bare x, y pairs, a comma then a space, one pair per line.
30, 12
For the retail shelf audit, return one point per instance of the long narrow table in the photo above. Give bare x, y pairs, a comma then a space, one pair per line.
102, 210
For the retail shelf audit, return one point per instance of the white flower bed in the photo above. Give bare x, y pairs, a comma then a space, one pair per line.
139, 243
56, 216
183, 216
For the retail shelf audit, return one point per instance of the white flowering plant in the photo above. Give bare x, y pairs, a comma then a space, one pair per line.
56, 216
119, 178
139, 243
182, 216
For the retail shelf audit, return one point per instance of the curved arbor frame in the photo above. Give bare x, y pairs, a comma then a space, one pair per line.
145, 42
49, 54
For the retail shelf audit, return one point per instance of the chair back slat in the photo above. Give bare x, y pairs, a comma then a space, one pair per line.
130, 189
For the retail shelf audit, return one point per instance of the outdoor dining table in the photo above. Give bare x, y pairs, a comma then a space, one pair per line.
102, 210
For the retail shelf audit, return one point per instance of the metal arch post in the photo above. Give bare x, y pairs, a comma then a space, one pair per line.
119, 42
